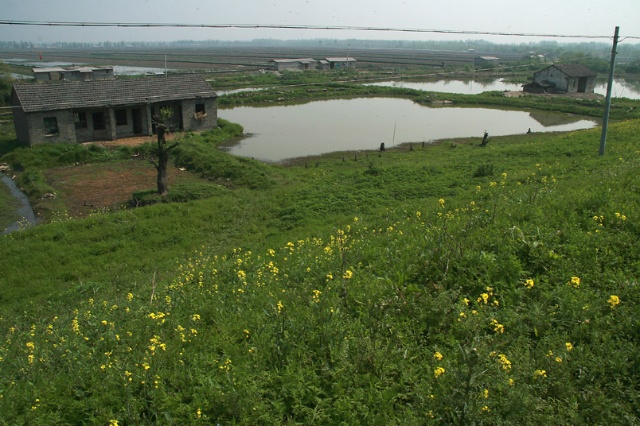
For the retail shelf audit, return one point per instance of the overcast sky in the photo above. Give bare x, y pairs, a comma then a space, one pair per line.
563, 17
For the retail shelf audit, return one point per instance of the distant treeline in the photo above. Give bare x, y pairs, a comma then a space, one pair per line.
598, 49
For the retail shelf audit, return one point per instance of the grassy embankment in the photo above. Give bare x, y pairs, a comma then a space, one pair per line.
454, 284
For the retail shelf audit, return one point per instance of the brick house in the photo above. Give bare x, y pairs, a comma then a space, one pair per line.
103, 110
570, 78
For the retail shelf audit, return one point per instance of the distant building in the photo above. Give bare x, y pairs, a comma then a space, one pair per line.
340, 63
486, 61
563, 79
302, 64
73, 73
95, 110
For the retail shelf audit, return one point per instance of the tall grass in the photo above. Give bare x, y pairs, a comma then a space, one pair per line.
420, 293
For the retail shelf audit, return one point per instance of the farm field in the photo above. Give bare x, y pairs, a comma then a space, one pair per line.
247, 58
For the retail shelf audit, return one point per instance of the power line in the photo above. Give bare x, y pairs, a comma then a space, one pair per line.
294, 27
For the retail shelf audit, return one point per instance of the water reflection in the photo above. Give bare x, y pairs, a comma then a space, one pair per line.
281, 132
467, 87
620, 88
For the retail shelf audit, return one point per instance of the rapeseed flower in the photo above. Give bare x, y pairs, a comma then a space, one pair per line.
613, 301
575, 282
539, 373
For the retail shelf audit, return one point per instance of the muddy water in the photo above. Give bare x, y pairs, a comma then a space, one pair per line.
25, 211
281, 132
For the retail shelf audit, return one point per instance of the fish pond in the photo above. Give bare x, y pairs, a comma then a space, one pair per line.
277, 133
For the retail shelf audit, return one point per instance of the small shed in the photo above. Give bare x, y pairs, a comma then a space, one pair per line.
302, 64
486, 61
572, 78
341, 63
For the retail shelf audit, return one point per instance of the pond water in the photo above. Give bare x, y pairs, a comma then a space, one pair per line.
466, 87
25, 211
277, 133
620, 88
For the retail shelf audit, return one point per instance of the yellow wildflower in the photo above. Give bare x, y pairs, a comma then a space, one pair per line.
529, 283
613, 300
438, 356
569, 346
438, 372
575, 282
347, 274
539, 373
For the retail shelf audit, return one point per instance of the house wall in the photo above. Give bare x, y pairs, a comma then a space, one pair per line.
21, 124
36, 127
338, 65
189, 121
282, 66
552, 75
565, 83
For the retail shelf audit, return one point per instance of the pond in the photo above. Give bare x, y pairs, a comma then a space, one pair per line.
24, 211
276, 133
620, 88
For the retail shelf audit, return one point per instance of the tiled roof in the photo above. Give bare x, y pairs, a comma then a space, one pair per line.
58, 95
574, 70
302, 60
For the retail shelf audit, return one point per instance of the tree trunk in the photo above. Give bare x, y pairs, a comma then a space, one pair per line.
163, 161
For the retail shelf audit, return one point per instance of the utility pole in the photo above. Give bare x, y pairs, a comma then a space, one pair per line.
607, 105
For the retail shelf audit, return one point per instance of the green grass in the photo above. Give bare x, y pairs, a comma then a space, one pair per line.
452, 284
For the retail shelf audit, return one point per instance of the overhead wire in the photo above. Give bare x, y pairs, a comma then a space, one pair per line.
297, 27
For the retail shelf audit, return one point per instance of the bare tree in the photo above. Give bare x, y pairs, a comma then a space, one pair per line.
163, 150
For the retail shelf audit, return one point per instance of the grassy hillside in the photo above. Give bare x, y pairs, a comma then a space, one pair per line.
452, 284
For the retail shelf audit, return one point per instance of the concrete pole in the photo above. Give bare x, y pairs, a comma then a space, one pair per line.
607, 105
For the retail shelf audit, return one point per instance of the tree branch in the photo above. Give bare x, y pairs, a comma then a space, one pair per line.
173, 146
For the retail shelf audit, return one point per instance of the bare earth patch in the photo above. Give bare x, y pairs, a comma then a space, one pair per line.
90, 187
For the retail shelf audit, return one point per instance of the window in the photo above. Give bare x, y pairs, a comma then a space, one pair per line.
80, 120
98, 121
200, 113
121, 117
51, 126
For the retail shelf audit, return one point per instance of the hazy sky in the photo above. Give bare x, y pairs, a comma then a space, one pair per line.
564, 17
